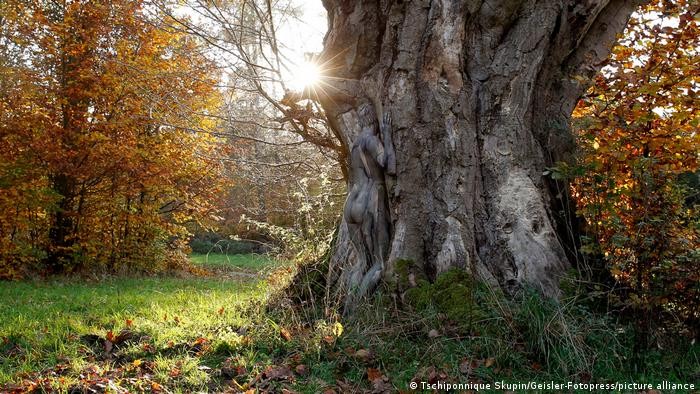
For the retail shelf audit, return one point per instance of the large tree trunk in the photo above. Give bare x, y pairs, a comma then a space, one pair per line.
480, 93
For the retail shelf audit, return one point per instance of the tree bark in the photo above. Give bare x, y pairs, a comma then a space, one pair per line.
480, 93
61, 230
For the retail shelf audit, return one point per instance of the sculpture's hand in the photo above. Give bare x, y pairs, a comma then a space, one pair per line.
390, 155
386, 124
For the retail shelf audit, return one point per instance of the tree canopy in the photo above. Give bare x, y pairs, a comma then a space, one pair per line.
100, 160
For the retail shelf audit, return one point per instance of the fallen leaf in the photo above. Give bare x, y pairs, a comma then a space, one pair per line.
433, 376
124, 335
489, 362
296, 358
585, 377
337, 329
221, 311
108, 346
465, 367
345, 386
301, 370
382, 386
232, 372
280, 372
285, 334
373, 374
363, 355
129, 322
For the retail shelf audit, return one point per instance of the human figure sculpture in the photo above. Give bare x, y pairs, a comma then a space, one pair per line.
366, 208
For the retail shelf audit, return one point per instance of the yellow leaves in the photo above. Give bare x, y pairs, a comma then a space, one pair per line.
337, 329
88, 97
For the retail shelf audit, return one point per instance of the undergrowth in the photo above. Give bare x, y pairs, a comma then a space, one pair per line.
456, 330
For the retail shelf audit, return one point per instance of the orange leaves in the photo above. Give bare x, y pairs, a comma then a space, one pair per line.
373, 374
639, 133
285, 334
106, 100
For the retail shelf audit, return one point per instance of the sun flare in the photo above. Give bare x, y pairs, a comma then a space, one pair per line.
306, 75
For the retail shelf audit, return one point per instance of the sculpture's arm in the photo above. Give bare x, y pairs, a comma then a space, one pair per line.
376, 151
389, 153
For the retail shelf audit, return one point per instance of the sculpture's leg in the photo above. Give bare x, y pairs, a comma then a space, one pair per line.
376, 232
371, 277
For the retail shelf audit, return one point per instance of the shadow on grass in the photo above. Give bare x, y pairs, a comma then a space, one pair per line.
41, 322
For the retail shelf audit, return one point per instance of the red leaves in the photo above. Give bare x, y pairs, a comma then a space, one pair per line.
175, 372
373, 374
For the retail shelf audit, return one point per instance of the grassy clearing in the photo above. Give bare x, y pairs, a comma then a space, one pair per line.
47, 320
58, 322
250, 263
204, 334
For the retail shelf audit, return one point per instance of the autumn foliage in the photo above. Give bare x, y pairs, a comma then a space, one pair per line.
100, 162
639, 133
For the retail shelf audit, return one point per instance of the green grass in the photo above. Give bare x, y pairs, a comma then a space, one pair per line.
193, 332
243, 262
47, 318
42, 322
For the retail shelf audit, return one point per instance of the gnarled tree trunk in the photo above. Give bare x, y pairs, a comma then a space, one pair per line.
480, 93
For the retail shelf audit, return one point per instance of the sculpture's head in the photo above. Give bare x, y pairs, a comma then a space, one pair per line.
368, 118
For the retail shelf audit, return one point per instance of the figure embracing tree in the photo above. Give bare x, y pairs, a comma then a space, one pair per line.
480, 93
366, 212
